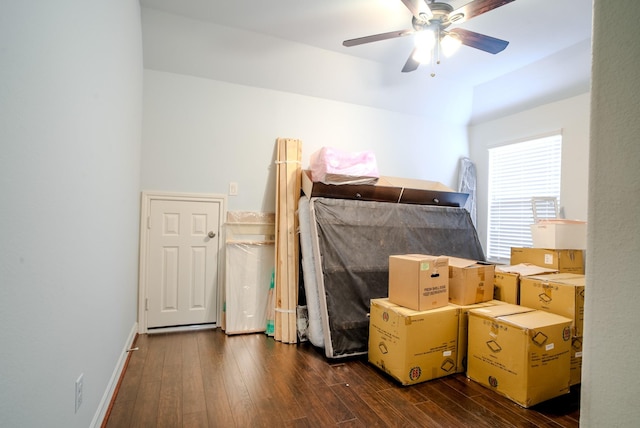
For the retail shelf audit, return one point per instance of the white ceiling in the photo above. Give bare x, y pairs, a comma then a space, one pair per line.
536, 31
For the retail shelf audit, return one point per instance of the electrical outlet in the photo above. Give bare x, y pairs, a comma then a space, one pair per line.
233, 188
79, 391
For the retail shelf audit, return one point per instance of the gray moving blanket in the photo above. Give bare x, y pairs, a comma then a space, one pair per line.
352, 243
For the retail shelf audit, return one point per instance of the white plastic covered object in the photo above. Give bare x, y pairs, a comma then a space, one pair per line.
248, 276
250, 259
334, 166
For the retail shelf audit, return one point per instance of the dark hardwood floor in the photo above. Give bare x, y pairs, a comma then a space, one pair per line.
208, 379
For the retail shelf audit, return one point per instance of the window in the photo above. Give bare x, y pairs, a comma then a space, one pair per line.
517, 173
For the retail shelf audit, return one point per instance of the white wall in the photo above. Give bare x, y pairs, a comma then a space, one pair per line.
611, 386
197, 48
199, 134
216, 99
70, 121
571, 117
565, 74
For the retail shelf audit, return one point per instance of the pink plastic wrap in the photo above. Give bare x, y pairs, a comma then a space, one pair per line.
334, 166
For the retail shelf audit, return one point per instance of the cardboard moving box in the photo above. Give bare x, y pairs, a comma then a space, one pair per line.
506, 287
470, 281
463, 331
506, 280
521, 353
413, 346
570, 261
560, 293
419, 282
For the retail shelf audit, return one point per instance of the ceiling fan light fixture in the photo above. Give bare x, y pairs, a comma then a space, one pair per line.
425, 39
450, 44
425, 43
422, 55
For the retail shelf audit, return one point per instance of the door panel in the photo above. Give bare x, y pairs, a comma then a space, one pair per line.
182, 262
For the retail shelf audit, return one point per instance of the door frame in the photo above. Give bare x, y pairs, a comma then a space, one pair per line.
145, 212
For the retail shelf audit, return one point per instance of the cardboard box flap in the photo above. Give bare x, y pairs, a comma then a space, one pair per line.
500, 310
562, 278
461, 263
560, 221
535, 319
418, 257
525, 269
408, 314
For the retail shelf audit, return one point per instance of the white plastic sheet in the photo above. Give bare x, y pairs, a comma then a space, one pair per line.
248, 277
467, 184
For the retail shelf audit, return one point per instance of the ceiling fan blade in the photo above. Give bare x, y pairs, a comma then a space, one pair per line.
475, 8
419, 9
411, 63
480, 41
377, 37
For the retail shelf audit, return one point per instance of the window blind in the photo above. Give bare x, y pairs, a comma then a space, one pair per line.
517, 173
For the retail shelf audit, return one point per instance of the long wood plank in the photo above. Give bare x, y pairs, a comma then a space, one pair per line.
294, 178
281, 191
288, 178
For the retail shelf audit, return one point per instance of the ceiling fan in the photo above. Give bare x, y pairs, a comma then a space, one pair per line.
430, 22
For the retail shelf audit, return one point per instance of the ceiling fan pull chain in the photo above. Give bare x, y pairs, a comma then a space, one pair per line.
435, 53
438, 40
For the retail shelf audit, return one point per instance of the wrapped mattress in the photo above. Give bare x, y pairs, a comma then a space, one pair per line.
349, 243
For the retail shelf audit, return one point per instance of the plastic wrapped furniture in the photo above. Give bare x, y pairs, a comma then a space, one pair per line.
351, 242
250, 259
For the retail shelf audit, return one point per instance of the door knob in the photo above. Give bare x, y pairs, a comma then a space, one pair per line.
211, 235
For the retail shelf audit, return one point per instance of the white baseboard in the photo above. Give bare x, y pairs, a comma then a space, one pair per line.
101, 412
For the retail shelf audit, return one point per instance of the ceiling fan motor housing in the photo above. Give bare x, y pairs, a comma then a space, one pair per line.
440, 17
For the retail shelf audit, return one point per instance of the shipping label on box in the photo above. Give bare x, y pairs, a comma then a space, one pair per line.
560, 293
470, 281
524, 356
418, 281
413, 346
569, 261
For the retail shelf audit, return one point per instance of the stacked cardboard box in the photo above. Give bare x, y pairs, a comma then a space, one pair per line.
413, 335
506, 286
463, 331
413, 346
419, 281
566, 298
520, 352
470, 281
562, 294
416, 333
570, 261
507, 280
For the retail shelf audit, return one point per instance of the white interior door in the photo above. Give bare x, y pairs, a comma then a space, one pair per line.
182, 262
